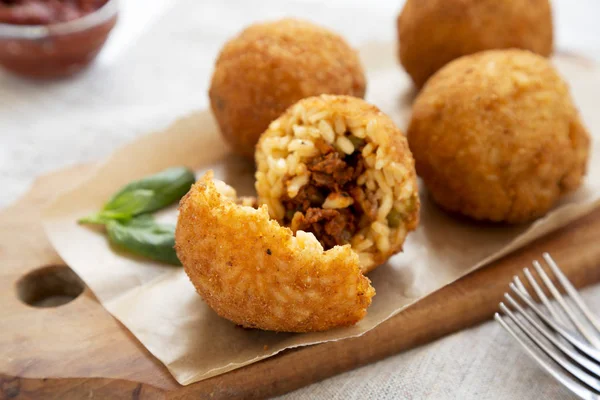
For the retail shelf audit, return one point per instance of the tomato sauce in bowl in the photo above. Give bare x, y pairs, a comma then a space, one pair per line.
53, 38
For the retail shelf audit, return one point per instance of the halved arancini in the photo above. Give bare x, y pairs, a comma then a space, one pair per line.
256, 273
340, 168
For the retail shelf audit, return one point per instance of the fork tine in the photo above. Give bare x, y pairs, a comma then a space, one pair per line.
573, 369
572, 292
550, 336
542, 296
582, 328
559, 375
584, 347
519, 284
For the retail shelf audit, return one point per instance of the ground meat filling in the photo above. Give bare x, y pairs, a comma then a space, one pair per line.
331, 174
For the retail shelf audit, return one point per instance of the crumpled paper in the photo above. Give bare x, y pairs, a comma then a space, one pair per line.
158, 303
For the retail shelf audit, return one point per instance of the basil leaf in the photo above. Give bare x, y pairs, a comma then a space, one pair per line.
145, 237
130, 228
142, 221
129, 203
167, 187
122, 208
97, 218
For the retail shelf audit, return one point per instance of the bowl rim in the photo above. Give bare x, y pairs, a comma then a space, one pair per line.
101, 15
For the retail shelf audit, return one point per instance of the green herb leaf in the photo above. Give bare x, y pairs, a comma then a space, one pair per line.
145, 195
145, 237
126, 220
128, 203
122, 208
96, 218
166, 187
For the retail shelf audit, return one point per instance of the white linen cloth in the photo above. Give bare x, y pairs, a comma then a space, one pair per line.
156, 67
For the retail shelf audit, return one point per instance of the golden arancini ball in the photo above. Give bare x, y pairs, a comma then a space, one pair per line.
270, 66
495, 136
339, 168
434, 32
256, 273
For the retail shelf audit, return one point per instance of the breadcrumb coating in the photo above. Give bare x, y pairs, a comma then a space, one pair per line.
257, 274
496, 136
270, 66
432, 33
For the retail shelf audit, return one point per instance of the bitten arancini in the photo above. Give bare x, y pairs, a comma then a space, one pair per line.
270, 66
338, 167
257, 274
496, 136
432, 33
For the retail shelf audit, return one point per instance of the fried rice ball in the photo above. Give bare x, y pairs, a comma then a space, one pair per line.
496, 136
269, 67
432, 33
337, 167
255, 273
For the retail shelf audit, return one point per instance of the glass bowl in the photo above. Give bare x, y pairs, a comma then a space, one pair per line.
56, 50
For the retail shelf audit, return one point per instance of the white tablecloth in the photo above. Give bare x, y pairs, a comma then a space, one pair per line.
156, 67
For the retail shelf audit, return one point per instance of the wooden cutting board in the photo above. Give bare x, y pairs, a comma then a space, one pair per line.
78, 350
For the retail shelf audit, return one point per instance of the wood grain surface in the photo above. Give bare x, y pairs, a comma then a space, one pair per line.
79, 350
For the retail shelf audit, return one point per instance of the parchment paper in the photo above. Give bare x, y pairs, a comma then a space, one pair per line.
158, 303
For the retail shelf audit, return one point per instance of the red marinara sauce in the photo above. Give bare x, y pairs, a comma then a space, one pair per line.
53, 38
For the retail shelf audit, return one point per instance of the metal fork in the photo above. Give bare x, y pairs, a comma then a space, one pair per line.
565, 340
